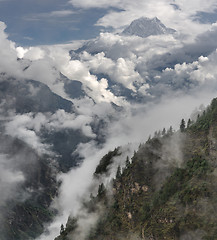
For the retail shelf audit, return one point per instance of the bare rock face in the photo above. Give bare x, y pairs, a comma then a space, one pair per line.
145, 27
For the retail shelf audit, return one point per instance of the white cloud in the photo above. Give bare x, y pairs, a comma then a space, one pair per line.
61, 13
8, 60
120, 71
96, 89
206, 72
43, 71
46, 15
9, 179
21, 52
53, 60
202, 72
96, 4
33, 53
25, 127
62, 120
28, 38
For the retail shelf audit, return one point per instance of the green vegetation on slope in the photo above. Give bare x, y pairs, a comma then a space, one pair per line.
163, 194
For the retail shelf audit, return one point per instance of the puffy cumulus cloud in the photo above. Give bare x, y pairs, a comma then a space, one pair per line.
197, 73
34, 53
179, 74
125, 73
8, 61
59, 55
131, 61
96, 89
120, 71
153, 60
98, 63
10, 179
21, 51
149, 56
124, 60
143, 89
206, 72
113, 45
203, 59
133, 48
141, 62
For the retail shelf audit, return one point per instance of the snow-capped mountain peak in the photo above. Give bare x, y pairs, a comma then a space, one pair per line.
144, 27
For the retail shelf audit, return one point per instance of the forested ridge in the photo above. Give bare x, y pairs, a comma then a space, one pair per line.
166, 191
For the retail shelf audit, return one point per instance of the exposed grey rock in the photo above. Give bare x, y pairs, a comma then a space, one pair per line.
144, 27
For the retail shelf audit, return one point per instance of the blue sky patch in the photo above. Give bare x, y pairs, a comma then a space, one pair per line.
31, 22
204, 17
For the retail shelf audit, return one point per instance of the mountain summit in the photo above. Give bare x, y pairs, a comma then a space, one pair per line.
144, 27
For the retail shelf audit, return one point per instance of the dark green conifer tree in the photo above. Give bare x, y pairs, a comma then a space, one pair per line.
62, 229
170, 131
182, 125
127, 162
118, 174
101, 191
189, 123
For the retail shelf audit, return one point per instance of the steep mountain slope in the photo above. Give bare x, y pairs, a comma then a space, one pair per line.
33, 97
31, 184
25, 209
168, 191
145, 27
30, 96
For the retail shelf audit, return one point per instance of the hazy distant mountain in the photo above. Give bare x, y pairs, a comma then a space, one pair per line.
30, 96
144, 27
